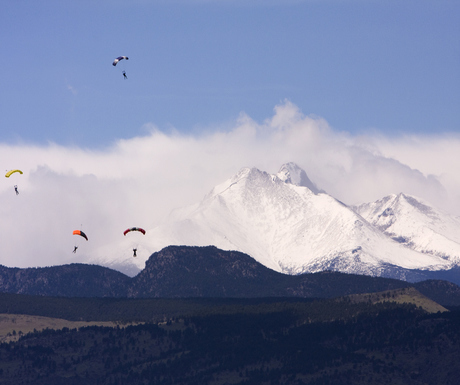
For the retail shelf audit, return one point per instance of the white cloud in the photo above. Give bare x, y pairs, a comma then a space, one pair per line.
136, 182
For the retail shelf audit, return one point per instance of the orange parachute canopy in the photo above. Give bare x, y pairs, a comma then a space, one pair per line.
81, 233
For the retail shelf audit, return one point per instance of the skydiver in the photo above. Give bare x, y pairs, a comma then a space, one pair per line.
134, 255
16, 189
124, 75
75, 249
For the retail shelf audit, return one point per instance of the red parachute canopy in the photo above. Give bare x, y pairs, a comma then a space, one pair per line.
81, 233
134, 229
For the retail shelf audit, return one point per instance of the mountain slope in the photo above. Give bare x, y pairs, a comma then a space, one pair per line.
415, 224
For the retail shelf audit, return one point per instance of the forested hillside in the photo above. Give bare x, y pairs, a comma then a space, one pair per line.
320, 342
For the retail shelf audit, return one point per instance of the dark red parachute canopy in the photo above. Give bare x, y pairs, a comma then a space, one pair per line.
134, 229
81, 233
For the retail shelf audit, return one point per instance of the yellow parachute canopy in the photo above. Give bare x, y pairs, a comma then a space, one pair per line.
11, 172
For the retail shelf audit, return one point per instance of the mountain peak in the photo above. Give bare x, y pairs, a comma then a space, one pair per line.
291, 173
412, 222
416, 203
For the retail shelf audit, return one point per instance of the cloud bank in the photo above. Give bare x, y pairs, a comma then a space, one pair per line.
137, 182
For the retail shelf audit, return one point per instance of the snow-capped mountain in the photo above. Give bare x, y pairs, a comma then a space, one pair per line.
286, 223
293, 174
414, 223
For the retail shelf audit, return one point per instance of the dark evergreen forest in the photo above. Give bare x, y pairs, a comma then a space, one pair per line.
251, 342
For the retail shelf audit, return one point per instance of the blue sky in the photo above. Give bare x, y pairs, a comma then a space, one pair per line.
362, 94
388, 65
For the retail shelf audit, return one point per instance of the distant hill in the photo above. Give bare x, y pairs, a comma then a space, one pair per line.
402, 296
443, 292
182, 271
74, 280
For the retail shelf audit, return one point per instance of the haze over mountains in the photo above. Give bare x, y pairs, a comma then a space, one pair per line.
285, 222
